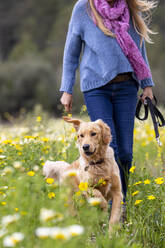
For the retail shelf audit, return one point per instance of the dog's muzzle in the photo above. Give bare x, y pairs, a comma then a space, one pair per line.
86, 148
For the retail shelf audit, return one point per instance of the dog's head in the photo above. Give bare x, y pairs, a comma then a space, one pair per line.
92, 136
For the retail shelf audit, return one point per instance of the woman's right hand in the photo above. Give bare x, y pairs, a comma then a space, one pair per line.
67, 101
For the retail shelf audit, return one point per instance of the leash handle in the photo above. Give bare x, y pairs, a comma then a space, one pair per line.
157, 117
151, 108
138, 109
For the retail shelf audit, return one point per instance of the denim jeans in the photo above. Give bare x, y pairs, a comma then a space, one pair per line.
115, 104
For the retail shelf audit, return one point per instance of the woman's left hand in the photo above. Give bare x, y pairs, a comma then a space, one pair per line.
147, 92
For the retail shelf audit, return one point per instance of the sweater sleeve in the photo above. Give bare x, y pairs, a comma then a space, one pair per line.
148, 81
72, 52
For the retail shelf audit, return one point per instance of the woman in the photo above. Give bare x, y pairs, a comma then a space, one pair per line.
110, 34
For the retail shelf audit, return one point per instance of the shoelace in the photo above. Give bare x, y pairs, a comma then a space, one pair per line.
156, 115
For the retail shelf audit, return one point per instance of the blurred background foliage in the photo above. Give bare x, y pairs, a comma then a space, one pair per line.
32, 38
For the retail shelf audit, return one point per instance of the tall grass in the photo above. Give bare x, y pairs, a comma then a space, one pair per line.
26, 196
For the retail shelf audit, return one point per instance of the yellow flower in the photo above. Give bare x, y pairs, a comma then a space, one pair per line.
31, 173
137, 202
81, 201
83, 186
16, 209
45, 148
147, 181
132, 169
50, 180
3, 203
51, 195
135, 193
151, 197
2, 193
139, 182
69, 115
45, 139
23, 213
84, 108
72, 130
7, 142
101, 181
143, 143
78, 193
30, 137
18, 147
38, 119
159, 180
147, 155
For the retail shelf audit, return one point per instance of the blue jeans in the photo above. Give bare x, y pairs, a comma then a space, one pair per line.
115, 104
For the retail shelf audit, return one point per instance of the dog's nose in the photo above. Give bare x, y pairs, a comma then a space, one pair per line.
86, 147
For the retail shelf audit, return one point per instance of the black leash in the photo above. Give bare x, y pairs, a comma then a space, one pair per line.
156, 115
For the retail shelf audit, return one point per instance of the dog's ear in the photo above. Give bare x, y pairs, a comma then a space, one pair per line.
75, 122
106, 132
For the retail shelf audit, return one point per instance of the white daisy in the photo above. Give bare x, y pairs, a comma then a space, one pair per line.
3, 231
8, 219
76, 230
71, 173
60, 233
7, 170
12, 240
17, 164
43, 232
2, 156
94, 201
46, 214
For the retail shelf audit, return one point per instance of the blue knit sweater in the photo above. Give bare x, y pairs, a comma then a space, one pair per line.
102, 58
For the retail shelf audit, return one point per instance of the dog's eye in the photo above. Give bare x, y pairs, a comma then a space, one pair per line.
81, 135
93, 134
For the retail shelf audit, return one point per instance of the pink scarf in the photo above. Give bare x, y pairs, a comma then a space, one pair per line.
116, 19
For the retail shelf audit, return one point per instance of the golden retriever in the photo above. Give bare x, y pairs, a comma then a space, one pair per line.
96, 162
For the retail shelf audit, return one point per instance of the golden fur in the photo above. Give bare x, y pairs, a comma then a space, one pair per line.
93, 164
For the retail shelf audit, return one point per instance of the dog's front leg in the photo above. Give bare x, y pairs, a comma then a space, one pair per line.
72, 183
104, 203
116, 208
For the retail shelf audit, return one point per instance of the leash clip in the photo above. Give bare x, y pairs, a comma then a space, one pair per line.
158, 141
145, 102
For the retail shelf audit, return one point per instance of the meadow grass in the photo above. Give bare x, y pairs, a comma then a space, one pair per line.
34, 212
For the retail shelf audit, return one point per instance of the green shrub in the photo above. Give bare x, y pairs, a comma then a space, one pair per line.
27, 83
